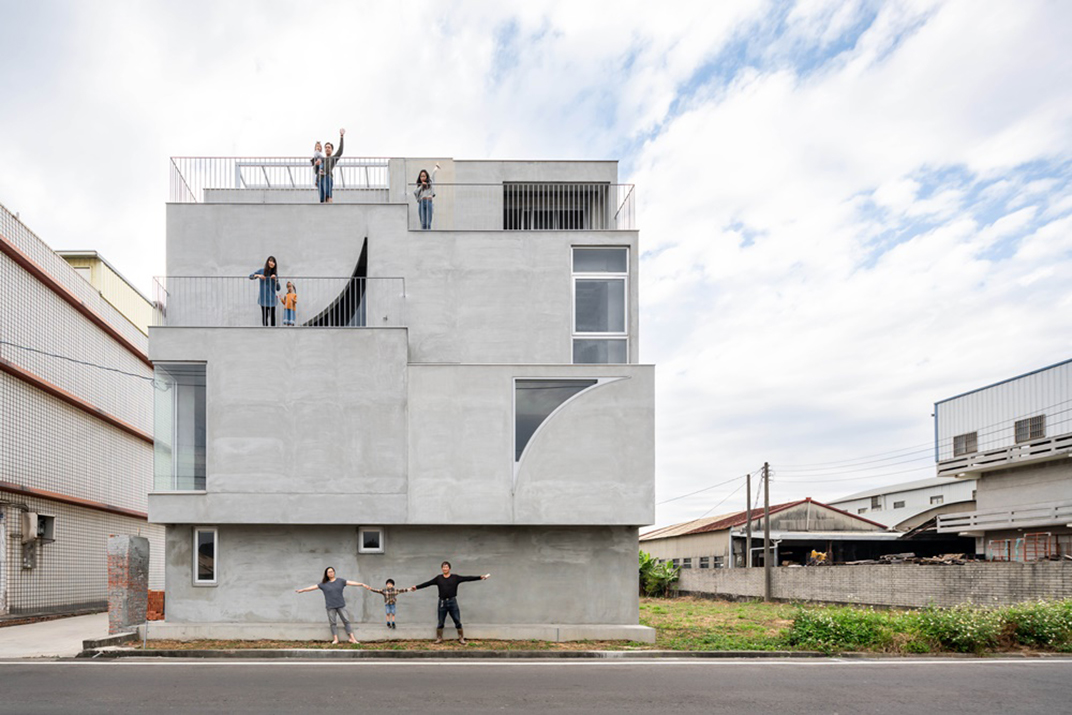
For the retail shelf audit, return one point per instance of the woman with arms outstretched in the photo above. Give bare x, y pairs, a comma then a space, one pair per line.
335, 602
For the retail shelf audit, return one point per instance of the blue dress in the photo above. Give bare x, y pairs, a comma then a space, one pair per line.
269, 287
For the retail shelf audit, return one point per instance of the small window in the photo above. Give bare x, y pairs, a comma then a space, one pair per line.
206, 557
705, 562
675, 562
876, 503
965, 443
687, 564
937, 499
1031, 428
717, 562
370, 540
861, 510
898, 505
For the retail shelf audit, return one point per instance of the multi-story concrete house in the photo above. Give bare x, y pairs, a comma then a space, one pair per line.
1015, 439
470, 392
76, 445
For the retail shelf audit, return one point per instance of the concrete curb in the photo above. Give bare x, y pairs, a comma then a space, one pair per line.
112, 640
347, 654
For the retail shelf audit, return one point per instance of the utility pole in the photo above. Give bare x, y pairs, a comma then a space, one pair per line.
766, 534
748, 522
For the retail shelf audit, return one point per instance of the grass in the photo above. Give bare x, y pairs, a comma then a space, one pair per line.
707, 625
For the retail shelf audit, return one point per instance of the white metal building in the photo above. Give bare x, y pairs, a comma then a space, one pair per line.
76, 398
904, 506
1015, 438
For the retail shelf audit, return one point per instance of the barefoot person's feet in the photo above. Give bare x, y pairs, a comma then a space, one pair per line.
335, 642
352, 639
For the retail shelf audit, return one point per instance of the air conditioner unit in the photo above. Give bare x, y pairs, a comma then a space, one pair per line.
29, 526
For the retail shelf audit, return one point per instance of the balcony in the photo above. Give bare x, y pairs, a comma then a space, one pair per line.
1039, 450
1029, 516
503, 206
239, 302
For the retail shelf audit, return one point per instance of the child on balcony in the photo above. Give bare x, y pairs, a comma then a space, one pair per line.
317, 161
290, 305
390, 595
424, 194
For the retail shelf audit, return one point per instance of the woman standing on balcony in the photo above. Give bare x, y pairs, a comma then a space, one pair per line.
269, 278
424, 193
327, 166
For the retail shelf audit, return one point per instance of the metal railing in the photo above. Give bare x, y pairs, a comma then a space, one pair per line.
537, 206
233, 302
1039, 449
193, 177
1026, 516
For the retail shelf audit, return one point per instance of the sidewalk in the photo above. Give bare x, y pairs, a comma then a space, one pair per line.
59, 637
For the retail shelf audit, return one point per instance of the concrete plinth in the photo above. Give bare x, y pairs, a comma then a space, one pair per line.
163, 630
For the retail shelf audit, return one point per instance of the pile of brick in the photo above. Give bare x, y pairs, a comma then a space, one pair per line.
155, 612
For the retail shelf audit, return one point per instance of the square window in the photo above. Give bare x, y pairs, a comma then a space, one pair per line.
705, 562
876, 503
965, 443
1031, 428
937, 499
686, 564
206, 558
370, 540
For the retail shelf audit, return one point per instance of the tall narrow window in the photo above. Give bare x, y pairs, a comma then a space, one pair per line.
965, 443
600, 305
534, 401
179, 427
205, 557
1031, 428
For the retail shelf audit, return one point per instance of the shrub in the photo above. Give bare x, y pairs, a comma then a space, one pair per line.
656, 578
834, 629
964, 629
1042, 624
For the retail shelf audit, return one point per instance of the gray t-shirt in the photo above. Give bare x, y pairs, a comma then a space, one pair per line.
333, 597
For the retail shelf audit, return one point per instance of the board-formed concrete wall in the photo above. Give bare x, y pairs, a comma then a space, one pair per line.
898, 585
567, 575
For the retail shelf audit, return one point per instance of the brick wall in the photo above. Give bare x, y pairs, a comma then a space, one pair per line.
906, 585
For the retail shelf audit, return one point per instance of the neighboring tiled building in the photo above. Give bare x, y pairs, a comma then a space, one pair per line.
470, 392
1014, 438
76, 396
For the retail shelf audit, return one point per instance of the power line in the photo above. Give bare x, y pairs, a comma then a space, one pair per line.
666, 501
723, 500
74, 360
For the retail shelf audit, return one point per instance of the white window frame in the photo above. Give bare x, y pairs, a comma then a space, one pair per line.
362, 530
1030, 429
937, 500
575, 276
215, 556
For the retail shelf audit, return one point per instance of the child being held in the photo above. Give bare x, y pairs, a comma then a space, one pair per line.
290, 305
317, 162
389, 593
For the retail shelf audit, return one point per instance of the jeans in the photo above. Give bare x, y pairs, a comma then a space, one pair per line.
267, 314
424, 210
389, 608
325, 184
289, 316
449, 605
344, 615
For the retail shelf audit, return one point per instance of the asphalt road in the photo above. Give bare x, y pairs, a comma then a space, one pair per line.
745, 687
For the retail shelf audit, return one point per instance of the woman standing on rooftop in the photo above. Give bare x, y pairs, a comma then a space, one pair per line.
327, 166
269, 278
424, 193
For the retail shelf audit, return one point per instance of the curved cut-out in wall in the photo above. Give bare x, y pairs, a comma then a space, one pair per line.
537, 400
348, 309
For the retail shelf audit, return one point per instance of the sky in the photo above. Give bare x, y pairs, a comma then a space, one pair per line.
848, 210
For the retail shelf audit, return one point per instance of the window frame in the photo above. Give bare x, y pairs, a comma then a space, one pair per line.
967, 443
876, 503
215, 581
898, 505
174, 475
575, 276
940, 499
362, 530
1025, 430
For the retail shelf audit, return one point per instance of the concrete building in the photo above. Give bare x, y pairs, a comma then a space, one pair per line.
470, 393
76, 396
1014, 438
907, 505
796, 529
112, 286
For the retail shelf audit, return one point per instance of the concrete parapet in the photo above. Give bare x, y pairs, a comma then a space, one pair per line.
162, 630
128, 581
